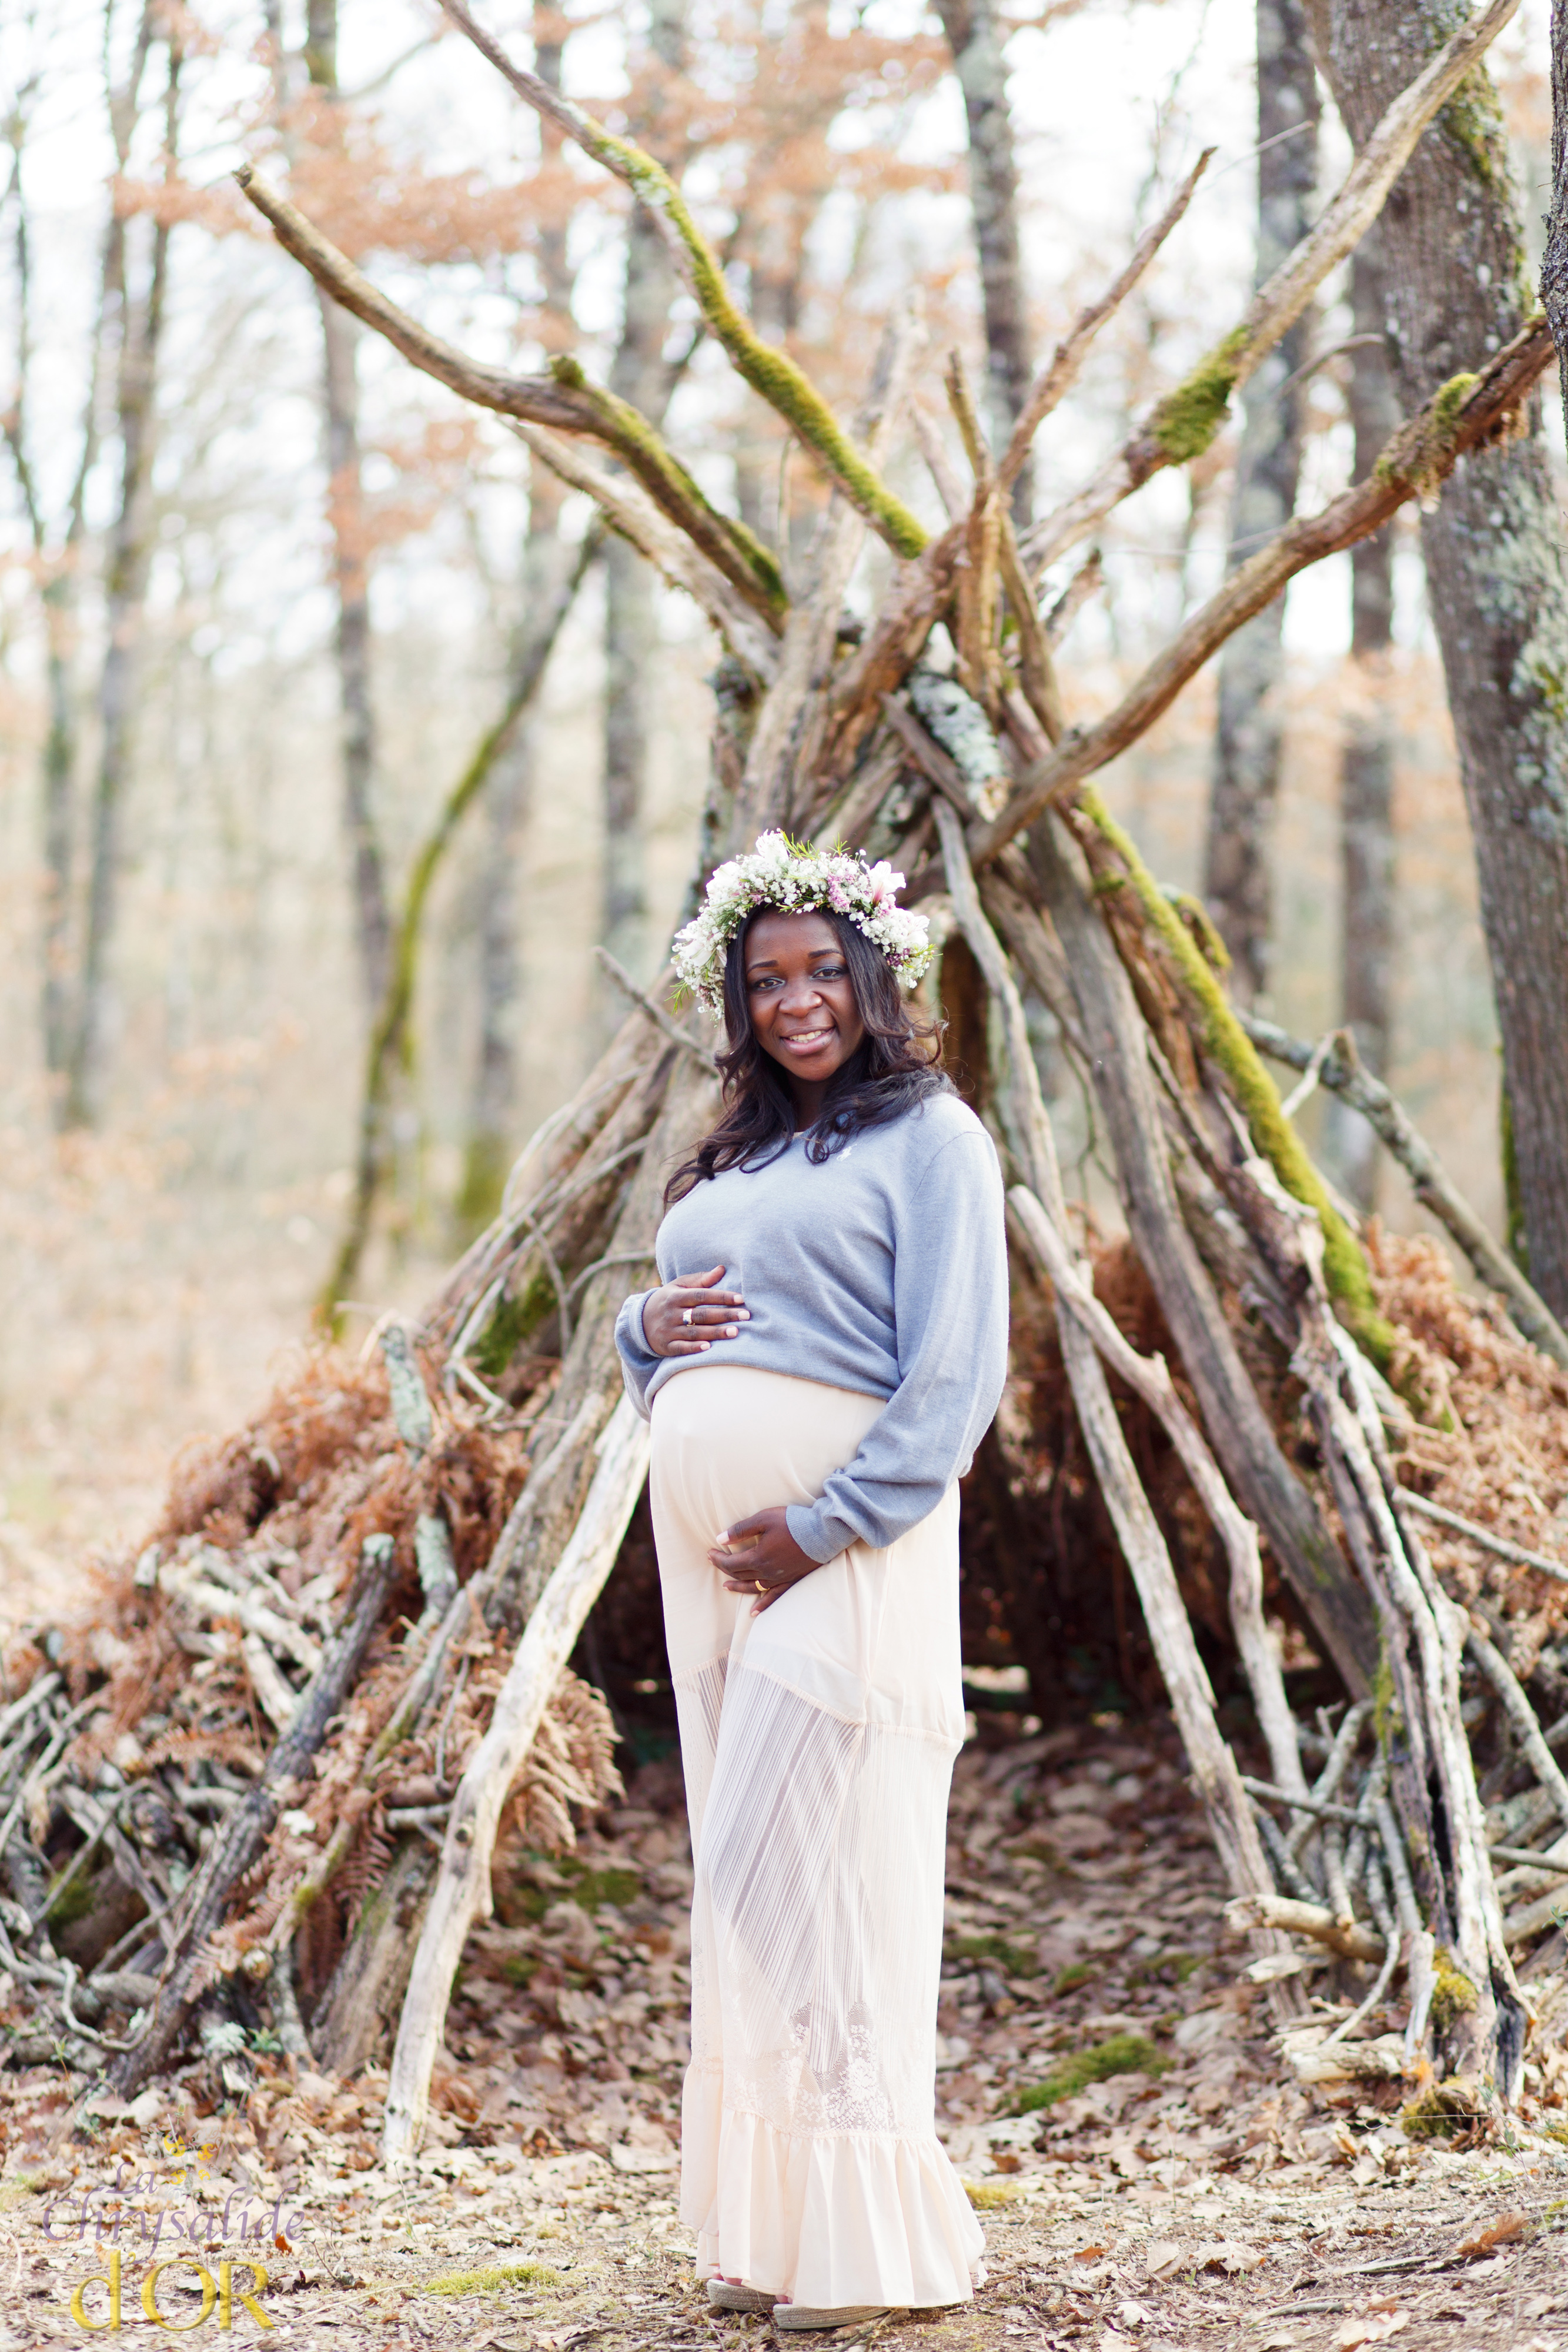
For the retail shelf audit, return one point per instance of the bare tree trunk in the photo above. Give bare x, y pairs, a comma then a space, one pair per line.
1554, 260
492, 1114
1454, 256
1237, 879
1366, 766
58, 799
978, 38
129, 557
640, 374
630, 647
508, 796
350, 580
57, 570
389, 1053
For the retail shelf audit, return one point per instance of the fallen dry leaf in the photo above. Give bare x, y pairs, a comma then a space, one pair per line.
1090, 2254
1370, 2327
1228, 2254
1162, 2258
1500, 2232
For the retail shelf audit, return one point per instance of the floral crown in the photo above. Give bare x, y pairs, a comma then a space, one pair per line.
796, 878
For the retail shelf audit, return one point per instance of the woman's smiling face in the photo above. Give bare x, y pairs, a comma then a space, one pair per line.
802, 1000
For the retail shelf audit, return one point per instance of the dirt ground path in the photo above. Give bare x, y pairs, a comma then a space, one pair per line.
1148, 2173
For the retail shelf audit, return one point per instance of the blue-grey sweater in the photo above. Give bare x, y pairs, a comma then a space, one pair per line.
882, 1269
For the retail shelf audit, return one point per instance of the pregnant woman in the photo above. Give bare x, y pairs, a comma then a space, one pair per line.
824, 1352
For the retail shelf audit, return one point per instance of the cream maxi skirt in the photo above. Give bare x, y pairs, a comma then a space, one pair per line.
817, 1740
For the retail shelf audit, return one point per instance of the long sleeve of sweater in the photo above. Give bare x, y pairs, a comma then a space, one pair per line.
638, 1362
950, 1293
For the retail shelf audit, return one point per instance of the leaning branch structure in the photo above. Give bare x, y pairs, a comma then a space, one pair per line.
1276, 1400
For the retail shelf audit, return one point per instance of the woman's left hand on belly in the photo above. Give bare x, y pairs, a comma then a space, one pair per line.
760, 1557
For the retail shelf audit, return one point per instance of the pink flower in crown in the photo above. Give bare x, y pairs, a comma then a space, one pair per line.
838, 897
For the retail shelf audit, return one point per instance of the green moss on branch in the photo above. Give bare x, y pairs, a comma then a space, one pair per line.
769, 371
1227, 1044
635, 441
1188, 417
1453, 1994
1422, 454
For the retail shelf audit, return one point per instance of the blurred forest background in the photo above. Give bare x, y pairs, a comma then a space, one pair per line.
267, 593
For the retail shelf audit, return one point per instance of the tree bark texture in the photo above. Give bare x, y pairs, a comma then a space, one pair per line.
1366, 761
1246, 782
350, 580
130, 558
640, 374
1554, 261
358, 2010
978, 39
1454, 262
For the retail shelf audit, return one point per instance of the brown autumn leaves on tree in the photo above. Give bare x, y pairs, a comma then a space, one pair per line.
966, 772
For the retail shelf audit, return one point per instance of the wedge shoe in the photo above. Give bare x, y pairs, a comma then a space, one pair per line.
791, 2317
723, 2297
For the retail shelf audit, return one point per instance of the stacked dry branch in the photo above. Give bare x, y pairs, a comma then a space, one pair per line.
399, 1598
205, 1775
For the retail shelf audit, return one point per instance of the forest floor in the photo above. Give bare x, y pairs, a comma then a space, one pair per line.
1199, 2196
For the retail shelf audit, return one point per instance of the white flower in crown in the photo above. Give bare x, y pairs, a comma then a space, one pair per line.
797, 879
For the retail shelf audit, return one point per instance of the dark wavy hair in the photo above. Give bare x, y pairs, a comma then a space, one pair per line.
896, 1066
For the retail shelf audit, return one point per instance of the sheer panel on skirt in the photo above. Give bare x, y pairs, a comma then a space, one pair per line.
818, 1741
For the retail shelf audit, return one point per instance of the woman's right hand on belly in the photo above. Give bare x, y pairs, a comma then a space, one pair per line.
684, 1318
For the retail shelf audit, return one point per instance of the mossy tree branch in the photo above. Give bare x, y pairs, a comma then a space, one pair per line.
769, 371
1183, 424
1461, 415
1227, 1044
564, 400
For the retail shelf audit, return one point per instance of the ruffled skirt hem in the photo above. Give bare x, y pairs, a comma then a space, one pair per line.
829, 2218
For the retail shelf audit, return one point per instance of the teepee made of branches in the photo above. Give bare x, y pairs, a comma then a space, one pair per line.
934, 735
